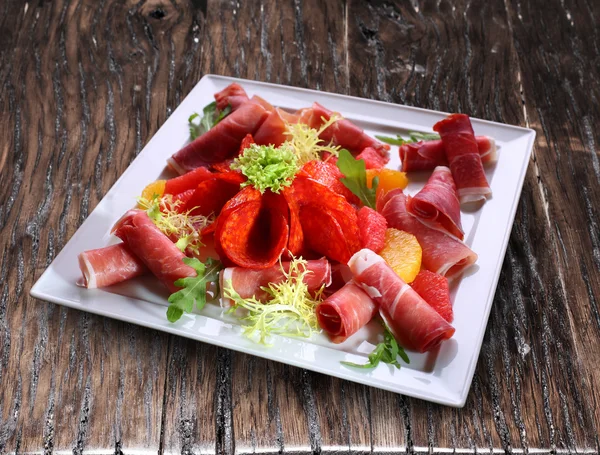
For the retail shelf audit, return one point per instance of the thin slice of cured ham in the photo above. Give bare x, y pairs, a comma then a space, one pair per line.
187, 181
344, 133
274, 128
427, 155
442, 254
437, 204
233, 95
249, 282
155, 249
463, 157
345, 312
414, 323
109, 265
222, 141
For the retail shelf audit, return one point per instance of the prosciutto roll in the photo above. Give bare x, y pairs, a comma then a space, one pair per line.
414, 323
222, 141
463, 157
274, 128
233, 95
342, 314
437, 204
344, 133
155, 249
427, 155
109, 265
248, 282
442, 254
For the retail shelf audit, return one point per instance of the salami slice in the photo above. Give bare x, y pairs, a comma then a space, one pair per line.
345, 312
211, 195
153, 248
323, 233
437, 204
414, 323
296, 239
328, 174
187, 181
463, 157
109, 265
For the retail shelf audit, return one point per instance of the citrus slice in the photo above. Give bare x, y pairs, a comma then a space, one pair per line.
403, 253
154, 189
389, 179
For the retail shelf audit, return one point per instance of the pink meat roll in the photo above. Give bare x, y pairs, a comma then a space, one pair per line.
442, 254
345, 312
414, 323
109, 265
248, 282
437, 204
427, 155
233, 95
274, 128
463, 157
154, 248
222, 141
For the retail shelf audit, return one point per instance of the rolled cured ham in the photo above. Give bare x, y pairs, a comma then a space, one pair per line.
248, 282
442, 254
343, 132
463, 157
109, 265
233, 95
223, 140
345, 312
153, 248
274, 128
437, 204
427, 155
414, 323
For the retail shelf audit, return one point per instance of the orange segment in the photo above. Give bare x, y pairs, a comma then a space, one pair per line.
155, 188
403, 254
389, 179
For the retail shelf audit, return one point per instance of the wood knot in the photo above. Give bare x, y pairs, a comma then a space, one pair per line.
158, 13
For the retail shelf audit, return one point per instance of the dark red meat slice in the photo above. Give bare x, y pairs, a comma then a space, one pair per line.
328, 174
211, 195
296, 239
233, 95
187, 181
372, 226
273, 129
373, 159
323, 233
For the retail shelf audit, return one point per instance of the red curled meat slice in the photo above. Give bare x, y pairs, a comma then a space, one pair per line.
254, 234
296, 238
248, 282
329, 175
222, 141
211, 195
233, 95
441, 253
427, 155
187, 181
345, 133
154, 248
372, 226
437, 204
273, 129
463, 157
109, 265
323, 234
414, 323
345, 312
373, 159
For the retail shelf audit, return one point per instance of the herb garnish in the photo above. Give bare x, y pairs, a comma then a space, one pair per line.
194, 288
413, 135
387, 351
355, 178
210, 117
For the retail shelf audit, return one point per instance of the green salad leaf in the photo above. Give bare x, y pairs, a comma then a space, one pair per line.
194, 288
387, 351
413, 137
210, 117
267, 166
355, 178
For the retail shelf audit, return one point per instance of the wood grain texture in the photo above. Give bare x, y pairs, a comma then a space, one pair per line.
85, 84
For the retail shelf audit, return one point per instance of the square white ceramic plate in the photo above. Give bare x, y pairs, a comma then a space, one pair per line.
443, 376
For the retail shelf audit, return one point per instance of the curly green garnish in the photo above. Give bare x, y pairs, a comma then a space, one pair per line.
306, 143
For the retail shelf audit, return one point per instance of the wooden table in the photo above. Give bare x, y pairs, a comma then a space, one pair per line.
85, 84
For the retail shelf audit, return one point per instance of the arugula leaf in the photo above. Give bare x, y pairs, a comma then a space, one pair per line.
355, 178
413, 135
194, 288
209, 118
387, 351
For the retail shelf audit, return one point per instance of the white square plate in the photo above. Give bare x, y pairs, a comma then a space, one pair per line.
442, 377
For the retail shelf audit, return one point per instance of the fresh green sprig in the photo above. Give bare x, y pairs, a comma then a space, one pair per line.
193, 288
267, 166
355, 178
387, 351
210, 117
413, 137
